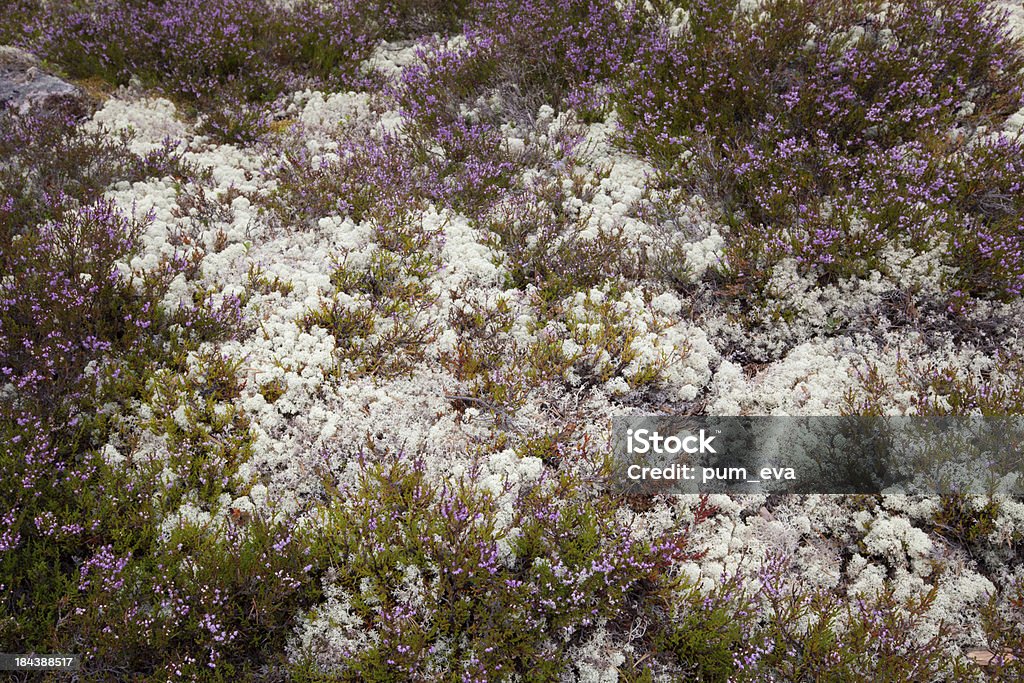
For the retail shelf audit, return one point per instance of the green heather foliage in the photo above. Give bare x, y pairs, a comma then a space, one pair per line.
383, 321
828, 130
202, 51
1002, 622
84, 568
597, 330
469, 611
943, 389
791, 633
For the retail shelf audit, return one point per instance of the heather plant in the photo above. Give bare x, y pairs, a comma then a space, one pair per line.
206, 435
380, 314
67, 316
234, 120
967, 520
190, 588
601, 342
66, 300
17, 14
193, 599
435, 92
51, 165
824, 129
486, 355
82, 343
367, 178
413, 18
1001, 619
516, 57
703, 641
942, 388
388, 176
61, 501
206, 603
228, 59
259, 282
194, 48
758, 626
86, 566
666, 259
469, 165
580, 342
544, 243
985, 234
825, 637
455, 579
197, 211
67, 267
527, 54
466, 167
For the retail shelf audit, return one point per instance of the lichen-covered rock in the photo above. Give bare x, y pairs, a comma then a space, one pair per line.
25, 86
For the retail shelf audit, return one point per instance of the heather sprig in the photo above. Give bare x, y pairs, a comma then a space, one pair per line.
463, 580
381, 313
831, 130
519, 55
227, 59
1001, 619
755, 625
81, 340
941, 388
52, 165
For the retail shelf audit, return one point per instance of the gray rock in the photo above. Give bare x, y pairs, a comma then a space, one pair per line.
25, 86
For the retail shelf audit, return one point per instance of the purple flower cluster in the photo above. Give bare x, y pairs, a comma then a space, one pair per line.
225, 57
198, 47
570, 566
104, 568
67, 266
78, 340
830, 132
561, 53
